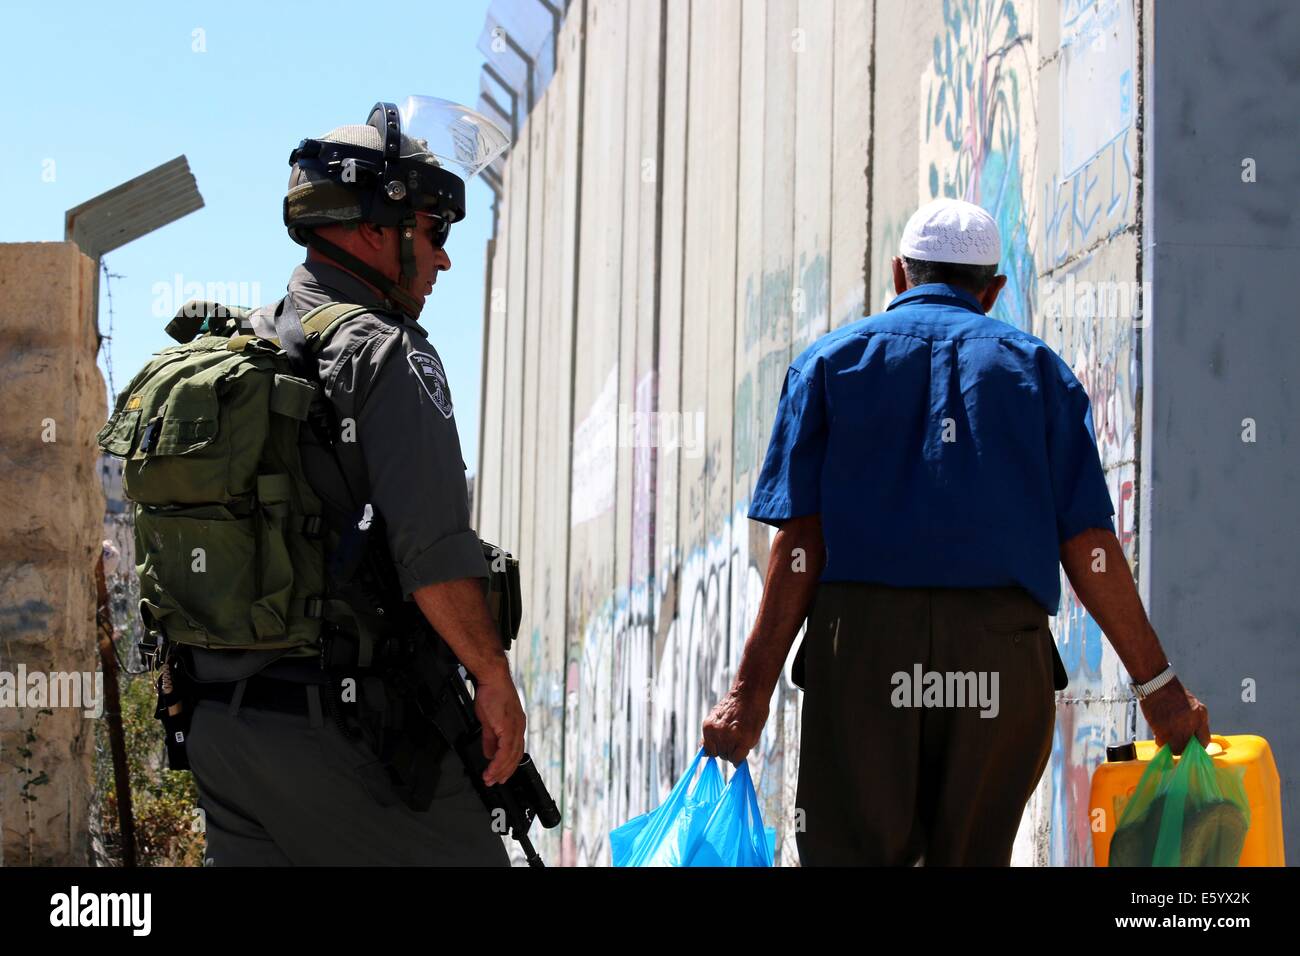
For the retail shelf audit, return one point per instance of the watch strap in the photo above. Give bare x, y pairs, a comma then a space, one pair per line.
1155, 683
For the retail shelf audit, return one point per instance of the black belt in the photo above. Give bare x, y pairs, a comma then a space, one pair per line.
260, 693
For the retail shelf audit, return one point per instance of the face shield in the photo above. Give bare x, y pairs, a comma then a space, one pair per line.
459, 138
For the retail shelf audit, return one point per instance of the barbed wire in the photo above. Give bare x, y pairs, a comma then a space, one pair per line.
106, 341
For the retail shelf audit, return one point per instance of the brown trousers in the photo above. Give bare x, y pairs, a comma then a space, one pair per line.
885, 782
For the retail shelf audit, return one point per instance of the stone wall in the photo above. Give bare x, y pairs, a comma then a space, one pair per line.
51, 405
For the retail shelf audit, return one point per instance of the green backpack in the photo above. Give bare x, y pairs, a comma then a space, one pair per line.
229, 536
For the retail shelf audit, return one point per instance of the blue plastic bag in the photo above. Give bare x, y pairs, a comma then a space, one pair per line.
734, 834
706, 825
667, 836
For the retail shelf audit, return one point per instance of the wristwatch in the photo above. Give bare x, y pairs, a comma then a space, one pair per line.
1155, 683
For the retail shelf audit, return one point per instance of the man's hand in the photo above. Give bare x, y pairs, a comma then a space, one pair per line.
732, 730
496, 703
1095, 564
1176, 716
793, 567
459, 613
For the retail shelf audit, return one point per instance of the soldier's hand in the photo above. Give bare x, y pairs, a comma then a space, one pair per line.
496, 702
734, 726
1176, 716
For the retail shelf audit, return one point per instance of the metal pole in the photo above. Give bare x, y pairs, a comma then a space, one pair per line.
113, 714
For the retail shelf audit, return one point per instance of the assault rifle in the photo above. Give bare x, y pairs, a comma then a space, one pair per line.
420, 669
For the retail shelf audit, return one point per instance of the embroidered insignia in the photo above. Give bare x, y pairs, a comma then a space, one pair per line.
432, 379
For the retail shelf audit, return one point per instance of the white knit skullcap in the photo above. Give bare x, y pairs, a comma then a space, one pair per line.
952, 230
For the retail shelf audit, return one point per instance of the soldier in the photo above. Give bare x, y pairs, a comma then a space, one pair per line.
279, 782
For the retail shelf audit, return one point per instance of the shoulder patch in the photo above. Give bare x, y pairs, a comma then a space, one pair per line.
428, 370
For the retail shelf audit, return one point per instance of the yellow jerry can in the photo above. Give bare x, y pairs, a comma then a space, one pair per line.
1117, 778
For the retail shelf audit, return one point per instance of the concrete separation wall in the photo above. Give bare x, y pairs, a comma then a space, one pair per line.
702, 191
1222, 239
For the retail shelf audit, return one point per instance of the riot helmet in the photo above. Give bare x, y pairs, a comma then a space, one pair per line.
402, 163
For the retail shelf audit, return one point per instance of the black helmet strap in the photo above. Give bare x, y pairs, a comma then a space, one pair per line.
385, 118
406, 238
398, 296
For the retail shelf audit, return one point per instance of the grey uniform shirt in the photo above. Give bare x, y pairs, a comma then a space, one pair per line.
381, 374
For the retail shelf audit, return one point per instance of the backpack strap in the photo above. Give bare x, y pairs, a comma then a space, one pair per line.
302, 337
324, 319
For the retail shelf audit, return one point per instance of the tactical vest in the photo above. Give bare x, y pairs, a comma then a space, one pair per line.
230, 537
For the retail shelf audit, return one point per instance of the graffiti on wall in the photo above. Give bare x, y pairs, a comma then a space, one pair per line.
810, 301
647, 662
1096, 85
1093, 712
616, 693
1090, 196
594, 439
644, 467
539, 672
1089, 321
980, 78
773, 303
647, 667
885, 243
1087, 202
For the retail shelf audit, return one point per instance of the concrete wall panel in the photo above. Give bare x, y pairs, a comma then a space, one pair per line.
734, 179
851, 138
666, 766
487, 483
517, 299
588, 726
1220, 237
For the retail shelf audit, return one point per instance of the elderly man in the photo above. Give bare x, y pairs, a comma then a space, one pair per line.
928, 468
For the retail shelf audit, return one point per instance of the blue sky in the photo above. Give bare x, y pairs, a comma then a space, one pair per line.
109, 91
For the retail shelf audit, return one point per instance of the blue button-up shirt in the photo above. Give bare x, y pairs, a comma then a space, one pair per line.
941, 447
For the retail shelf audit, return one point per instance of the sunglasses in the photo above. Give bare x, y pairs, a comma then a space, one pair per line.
441, 228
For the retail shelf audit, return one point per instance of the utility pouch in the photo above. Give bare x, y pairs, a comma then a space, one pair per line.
502, 590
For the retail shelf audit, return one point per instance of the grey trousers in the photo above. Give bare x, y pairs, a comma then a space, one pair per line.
889, 778
280, 790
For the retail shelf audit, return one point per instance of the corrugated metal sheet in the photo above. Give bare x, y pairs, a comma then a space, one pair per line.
133, 209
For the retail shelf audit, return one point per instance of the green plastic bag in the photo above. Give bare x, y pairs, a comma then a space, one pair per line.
1184, 812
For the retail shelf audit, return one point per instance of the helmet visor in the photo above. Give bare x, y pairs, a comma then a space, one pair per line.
459, 137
